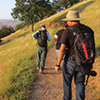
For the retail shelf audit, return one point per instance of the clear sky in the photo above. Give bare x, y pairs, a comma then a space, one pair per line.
5, 8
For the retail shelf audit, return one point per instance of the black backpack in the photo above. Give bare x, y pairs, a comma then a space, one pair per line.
84, 48
42, 38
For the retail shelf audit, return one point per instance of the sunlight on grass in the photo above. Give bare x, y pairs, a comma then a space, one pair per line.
18, 54
17, 64
93, 19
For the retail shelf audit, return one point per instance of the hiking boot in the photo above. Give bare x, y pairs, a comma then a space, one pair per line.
38, 68
42, 68
41, 71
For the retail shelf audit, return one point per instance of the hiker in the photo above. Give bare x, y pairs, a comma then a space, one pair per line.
71, 67
42, 35
57, 38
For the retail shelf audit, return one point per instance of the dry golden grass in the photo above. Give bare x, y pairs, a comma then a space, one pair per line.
18, 52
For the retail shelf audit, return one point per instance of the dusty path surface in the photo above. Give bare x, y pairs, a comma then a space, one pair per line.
49, 86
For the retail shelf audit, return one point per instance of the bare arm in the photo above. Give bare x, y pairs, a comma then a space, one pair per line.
60, 56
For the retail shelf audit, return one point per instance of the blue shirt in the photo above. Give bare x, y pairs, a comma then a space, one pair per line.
48, 36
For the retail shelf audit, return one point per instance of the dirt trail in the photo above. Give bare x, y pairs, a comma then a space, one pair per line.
49, 86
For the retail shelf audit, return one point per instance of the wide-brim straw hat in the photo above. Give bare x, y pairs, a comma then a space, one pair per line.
72, 15
42, 27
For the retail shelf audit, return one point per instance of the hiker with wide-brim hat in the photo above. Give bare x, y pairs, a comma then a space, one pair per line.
69, 67
73, 15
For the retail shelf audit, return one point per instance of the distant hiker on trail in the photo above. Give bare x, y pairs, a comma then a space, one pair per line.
57, 38
42, 35
79, 39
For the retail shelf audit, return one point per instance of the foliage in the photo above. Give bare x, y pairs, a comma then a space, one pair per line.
60, 5
31, 11
19, 26
19, 73
21, 80
5, 31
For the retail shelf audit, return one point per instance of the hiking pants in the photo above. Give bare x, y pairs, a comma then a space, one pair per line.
70, 69
41, 56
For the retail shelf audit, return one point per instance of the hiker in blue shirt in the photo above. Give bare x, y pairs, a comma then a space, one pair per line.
49, 38
42, 35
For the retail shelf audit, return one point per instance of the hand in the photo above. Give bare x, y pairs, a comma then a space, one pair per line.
55, 37
58, 69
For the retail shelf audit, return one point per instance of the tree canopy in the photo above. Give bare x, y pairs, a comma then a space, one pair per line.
31, 11
60, 5
19, 26
4, 31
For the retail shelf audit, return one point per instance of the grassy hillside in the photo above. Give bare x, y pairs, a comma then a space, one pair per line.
18, 53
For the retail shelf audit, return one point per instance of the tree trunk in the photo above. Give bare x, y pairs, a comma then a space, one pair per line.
0, 40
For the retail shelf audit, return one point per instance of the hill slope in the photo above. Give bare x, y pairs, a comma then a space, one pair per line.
11, 23
18, 54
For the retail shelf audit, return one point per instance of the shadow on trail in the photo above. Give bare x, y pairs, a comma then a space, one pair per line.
50, 73
49, 68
